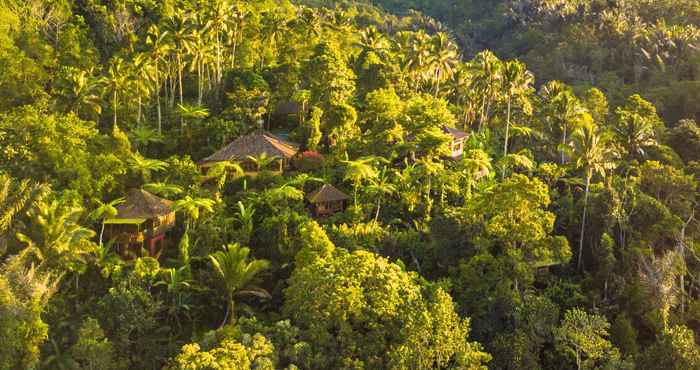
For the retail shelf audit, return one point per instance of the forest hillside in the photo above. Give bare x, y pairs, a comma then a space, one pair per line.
316, 184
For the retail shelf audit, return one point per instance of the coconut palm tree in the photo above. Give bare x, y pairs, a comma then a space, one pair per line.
56, 239
516, 82
565, 110
193, 208
359, 171
159, 49
116, 80
475, 165
486, 71
263, 161
381, 187
634, 133
444, 56
105, 211
16, 198
594, 155
81, 93
237, 273
179, 28
274, 26
239, 14
143, 136
143, 81
222, 171
163, 189
219, 19
145, 167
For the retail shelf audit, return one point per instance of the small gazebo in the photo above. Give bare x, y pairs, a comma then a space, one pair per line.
253, 145
142, 220
457, 143
327, 200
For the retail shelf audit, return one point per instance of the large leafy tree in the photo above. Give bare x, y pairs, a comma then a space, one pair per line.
352, 308
24, 295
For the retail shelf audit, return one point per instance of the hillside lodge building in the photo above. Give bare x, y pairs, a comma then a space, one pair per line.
253, 145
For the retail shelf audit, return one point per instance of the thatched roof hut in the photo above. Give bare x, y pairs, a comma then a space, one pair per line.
254, 145
142, 204
142, 218
327, 200
327, 193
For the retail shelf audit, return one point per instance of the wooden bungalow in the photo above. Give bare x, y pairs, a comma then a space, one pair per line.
254, 145
327, 200
141, 221
457, 143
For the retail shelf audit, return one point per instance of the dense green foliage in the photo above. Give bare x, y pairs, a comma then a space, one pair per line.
564, 236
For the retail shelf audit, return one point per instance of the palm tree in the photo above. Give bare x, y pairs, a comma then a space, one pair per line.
117, 79
55, 237
516, 160
219, 19
475, 165
145, 166
200, 55
237, 273
244, 217
178, 27
81, 93
143, 136
105, 211
163, 189
159, 49
239, 15
16, 198
486, 70
273, 27
565, 109
594, 155
634, 133
193, 208
444, 56
358, 171
222, 171
143, 81
382, 188
263, 161
516, 83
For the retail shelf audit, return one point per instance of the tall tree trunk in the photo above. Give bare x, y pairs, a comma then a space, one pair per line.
229, 311
379, 207
583, 222
563, 144
160, 114
179, 82
505, 146
114, 107
138, 114
102, 232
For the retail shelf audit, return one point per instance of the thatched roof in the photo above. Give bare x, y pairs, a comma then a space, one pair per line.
457, 134
140, 204
254, 145
327, 193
